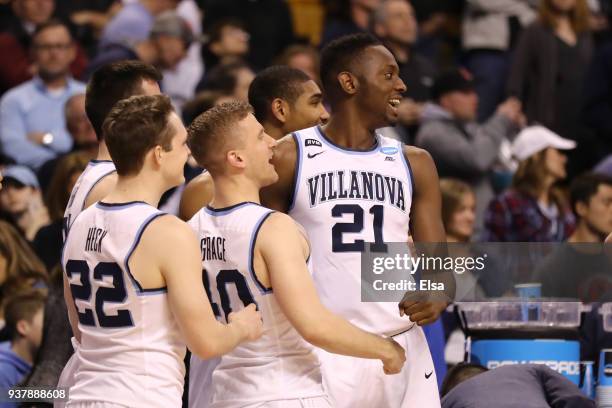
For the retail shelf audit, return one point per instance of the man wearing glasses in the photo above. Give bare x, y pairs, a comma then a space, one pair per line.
32, 124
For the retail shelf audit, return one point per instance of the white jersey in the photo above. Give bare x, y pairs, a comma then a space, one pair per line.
131, 352
348, 199
279, 365
95, 171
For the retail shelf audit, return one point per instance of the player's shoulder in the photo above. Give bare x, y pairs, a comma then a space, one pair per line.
416, 153
420, 160
286, 146
197, 193
167, 231
277, 224
199, 182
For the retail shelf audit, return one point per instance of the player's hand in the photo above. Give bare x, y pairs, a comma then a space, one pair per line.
249, 320
393, 363
421, 312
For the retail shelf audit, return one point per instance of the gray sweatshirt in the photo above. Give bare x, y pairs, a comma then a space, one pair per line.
466, 151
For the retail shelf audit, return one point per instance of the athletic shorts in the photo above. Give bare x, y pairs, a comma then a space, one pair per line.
353, 382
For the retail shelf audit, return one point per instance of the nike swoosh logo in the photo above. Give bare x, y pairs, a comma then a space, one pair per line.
311, 155
428, 375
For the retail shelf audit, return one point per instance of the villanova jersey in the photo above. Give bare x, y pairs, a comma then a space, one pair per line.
279, 365
131, 352
95, 171
348, 199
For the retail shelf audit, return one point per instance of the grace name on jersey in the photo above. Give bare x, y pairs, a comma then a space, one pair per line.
213, 248
94, 239
356, 185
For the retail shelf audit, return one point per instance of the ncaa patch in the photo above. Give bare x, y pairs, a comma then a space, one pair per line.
312, 142
389, 150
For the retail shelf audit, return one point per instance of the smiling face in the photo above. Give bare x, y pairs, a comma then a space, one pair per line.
380, 87
257, 149
307, 110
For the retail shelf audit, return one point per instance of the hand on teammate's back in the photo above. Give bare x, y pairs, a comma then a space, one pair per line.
394, 363
249, 319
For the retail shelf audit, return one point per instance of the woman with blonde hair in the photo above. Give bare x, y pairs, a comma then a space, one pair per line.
458, 210
533, 209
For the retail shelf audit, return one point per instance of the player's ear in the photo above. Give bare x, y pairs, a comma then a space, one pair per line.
158, 154
235, 159
280, 110
348, 82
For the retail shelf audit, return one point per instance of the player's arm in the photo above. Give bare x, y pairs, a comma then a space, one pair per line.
73, 316
102, 189
276, 196
175, 249
198, 193
284, 252
427, 227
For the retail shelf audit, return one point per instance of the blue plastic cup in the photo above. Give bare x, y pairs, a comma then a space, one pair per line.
529, 293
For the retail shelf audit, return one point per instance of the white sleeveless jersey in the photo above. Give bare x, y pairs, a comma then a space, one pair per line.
131, 352
279, 365
95, 171
347, 199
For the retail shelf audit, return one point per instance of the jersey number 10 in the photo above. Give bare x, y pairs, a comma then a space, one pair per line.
225, 277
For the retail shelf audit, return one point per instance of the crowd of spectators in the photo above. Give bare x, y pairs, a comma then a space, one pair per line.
512, 99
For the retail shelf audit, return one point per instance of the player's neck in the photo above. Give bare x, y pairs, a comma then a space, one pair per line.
347, 130
233, 190
142, 187
103, 153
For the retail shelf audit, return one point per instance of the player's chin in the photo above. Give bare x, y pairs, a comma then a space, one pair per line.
272, 177
391, 118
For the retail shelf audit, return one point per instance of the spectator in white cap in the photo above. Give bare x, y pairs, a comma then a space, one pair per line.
21, 200
533, 209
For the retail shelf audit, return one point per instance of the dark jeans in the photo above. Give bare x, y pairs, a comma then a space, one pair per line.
490, 69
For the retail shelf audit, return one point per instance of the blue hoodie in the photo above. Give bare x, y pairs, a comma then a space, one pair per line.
12, 369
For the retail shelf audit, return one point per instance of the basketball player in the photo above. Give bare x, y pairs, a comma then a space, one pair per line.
107, 86
284, 100
133, 277
347, 185
252, 254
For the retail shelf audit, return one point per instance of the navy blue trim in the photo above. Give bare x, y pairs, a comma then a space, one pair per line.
139, 233
408, 170
330, 143
226, 210
297, 171
261, 287
95, 184
118, 206
94, 162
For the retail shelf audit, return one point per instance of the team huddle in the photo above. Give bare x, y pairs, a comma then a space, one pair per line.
262, 283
